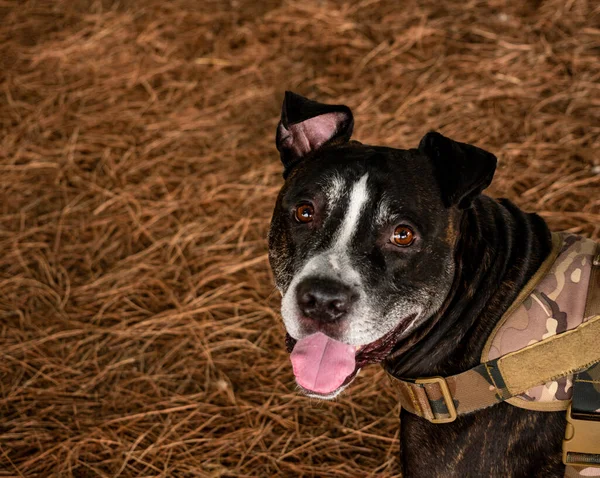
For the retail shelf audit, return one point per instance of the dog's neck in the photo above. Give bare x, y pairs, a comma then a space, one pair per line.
498, 250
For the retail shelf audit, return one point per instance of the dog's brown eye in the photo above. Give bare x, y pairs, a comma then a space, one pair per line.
304, 212
403, 236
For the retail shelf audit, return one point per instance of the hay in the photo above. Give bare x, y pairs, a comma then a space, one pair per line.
139, 328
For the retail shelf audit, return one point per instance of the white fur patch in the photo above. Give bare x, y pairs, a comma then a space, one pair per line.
358, 198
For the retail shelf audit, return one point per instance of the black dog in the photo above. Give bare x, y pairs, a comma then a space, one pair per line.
394, 256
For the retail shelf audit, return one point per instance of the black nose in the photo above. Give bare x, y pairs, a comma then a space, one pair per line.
324, 299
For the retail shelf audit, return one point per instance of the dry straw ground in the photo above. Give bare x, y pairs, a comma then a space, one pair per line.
139, 328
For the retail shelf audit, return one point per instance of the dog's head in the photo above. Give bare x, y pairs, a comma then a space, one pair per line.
362, 238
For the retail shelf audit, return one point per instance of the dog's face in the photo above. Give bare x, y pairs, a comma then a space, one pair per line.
362, 239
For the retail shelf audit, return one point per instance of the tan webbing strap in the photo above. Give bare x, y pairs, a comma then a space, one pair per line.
552, 358
440, 400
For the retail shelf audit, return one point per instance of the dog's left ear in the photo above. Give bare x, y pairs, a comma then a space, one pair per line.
307, 126
462, 170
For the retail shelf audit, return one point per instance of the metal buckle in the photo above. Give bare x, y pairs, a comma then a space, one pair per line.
582, 437
441, 381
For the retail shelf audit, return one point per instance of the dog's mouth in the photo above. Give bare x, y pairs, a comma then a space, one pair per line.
324, 366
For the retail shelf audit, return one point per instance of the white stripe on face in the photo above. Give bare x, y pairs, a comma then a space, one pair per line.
358, 197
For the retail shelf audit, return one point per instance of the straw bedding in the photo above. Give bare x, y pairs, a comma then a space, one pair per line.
139, 327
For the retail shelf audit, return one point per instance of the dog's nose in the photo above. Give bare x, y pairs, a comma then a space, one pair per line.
324, 299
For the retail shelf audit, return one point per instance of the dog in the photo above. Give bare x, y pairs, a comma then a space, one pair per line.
395, 256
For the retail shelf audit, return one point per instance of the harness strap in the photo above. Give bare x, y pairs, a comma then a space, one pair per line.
441, 400
581, 447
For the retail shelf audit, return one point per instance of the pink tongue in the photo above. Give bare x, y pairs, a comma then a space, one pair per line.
322, 364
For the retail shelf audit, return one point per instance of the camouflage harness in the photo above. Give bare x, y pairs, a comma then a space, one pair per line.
543, 355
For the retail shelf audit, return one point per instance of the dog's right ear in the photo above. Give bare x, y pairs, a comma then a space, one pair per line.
307, 126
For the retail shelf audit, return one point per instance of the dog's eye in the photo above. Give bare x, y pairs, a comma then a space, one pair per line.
403, 236
304, 212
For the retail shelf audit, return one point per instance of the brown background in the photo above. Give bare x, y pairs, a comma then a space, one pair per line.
139, 328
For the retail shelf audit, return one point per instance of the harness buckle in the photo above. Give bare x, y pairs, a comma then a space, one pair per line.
441, 381
581, 446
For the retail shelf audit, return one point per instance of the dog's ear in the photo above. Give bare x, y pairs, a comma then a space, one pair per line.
306, 126
462, 170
